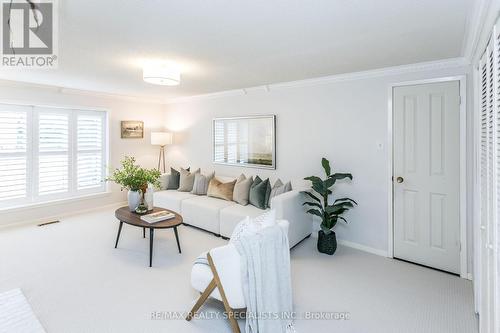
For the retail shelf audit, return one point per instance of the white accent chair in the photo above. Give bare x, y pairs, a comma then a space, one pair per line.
221, 279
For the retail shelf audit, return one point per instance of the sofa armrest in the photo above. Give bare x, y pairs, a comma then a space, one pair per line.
289, 207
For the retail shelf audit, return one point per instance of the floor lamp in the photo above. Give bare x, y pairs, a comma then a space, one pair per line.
161, 139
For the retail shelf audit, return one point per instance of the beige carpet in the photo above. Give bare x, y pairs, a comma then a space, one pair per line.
76, 281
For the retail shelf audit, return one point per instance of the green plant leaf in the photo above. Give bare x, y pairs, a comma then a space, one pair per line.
335, 210
326, 166
313, 179
339, 176
315, 212
312, 196
314, 204
319, 187
340, 217
329, 182
317, 184
343, 204
345, 199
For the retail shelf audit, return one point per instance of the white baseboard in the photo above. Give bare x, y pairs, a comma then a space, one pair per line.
357, 246
362, 247
64, 215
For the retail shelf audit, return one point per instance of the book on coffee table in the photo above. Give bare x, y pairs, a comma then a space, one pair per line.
158, 216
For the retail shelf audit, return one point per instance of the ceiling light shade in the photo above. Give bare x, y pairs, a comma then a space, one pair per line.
161, 138
161, 74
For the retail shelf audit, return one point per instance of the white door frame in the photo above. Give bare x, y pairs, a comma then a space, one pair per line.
463, 161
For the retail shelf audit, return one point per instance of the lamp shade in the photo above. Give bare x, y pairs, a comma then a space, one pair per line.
161, 138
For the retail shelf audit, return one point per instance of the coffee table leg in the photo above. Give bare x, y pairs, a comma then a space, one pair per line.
143, 232
119, 231
177, 239
151, 233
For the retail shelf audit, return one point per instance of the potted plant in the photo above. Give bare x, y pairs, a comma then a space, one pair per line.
320, 206
135, 179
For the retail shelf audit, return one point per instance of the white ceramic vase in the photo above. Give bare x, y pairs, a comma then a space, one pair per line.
148, 197
134, 199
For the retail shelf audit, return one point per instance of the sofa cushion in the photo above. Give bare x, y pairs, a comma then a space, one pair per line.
173, 180
186, 180
200, 185
203, 212
259, 193
232, 215
171, 199
218, 189
279, 188
242, 189
164, 181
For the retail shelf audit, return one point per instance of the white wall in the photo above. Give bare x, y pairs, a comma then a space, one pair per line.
343, 121
118, 109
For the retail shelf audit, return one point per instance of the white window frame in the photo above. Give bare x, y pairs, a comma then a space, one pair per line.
32, 198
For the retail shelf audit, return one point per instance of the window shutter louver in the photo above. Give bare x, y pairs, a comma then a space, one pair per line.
232, 142
218, 141
13, 153
53, 150
90, 142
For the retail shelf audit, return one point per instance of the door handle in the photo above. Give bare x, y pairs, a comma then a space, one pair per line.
400, 180
483, 227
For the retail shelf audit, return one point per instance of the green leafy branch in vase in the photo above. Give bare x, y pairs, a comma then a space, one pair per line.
132, 177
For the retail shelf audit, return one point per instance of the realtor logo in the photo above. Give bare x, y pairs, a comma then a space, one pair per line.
29, 33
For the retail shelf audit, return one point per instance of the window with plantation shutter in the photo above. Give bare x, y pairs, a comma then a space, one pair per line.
90, 149
230, 141
489, 171
50, 154
53, 152
14, 151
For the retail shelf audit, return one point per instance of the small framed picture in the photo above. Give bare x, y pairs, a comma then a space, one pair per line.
132, 129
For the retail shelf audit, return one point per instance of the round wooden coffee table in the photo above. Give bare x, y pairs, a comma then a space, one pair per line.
124, 215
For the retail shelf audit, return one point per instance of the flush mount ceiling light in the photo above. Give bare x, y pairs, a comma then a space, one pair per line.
166, 75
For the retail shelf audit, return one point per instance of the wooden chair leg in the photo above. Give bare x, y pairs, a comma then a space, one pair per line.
211, 286
230, 312
203, 297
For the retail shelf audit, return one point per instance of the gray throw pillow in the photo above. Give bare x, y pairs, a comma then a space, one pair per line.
173, 180
200, 185
279, 188
164, 178
259, 193
242, 189
186, 180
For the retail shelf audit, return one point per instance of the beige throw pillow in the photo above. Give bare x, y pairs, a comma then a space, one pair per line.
218, 189
242, 189
187, 180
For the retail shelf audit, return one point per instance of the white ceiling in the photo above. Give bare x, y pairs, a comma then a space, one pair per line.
230, 44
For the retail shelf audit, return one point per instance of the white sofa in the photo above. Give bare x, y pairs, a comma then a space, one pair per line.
221, 217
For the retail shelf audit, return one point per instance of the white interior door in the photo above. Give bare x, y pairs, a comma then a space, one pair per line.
426, 148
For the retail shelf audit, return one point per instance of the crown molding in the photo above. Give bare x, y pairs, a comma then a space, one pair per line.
81, 92
479, 24
380, 72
